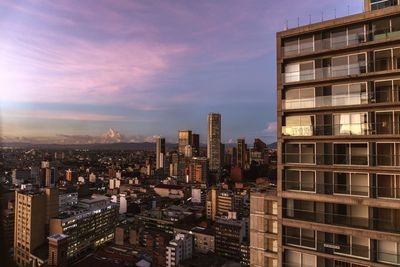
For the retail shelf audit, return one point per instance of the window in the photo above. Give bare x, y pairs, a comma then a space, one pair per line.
306, 43
352, 245
386, 28
351, 154
349, 94
351, 183
299, 98
379, 4
388, 251
388, 185
299, 125
300, 237
300, 180
339, 38
351, 124
300, 153
349, 65
291, 46
347, 36
297, 259
296, 72
383, 60
387, 154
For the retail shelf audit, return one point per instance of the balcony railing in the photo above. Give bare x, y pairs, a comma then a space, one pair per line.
343, 220
343, 189
357, 250
384, 127
331, 43
326, 101
325, 73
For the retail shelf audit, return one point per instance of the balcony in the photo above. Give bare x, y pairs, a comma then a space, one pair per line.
381, 221
381, 30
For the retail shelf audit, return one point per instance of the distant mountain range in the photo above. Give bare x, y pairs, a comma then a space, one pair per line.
110, 140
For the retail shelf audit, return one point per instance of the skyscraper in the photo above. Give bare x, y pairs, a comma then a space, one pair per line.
195, 145
241, 152
185, 139
160, 152
338, 140
214, 141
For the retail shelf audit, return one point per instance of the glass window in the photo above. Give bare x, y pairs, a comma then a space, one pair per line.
383, 92
395, 22
357, 64
299, 71
291, 46
350, 124
307, 71
356, 34
306, 43
299, 98
292, 179
340, 66
380, 29
351, 154
292, 153
396, 58
379, 4
388, 251
388, 185
384, 122
307, 153
299, 125
339, 38
383, 60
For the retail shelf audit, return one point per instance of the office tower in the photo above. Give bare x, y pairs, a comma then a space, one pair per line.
33, 210
214, 141
160, 152
338, 140
88, 226
241, 152
225, 203
264, 229
179, 249
196, 145
198, 170
184, 139
230, 234
211, 204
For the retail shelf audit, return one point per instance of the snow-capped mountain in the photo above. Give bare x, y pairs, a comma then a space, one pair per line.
112, 136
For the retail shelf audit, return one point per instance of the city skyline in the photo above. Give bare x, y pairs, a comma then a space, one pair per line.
143, 69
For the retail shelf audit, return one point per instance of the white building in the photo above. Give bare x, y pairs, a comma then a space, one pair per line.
114, 183
179, 249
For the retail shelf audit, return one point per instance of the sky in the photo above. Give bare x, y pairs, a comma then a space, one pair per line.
144, 67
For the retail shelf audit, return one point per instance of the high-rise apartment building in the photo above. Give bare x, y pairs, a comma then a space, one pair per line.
184, 140
33, 210
339, 140
214, 141
198, 170
160, 152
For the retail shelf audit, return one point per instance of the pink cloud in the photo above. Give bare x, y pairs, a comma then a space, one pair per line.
62, 115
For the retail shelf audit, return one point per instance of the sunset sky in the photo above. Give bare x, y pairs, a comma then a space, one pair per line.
144, 67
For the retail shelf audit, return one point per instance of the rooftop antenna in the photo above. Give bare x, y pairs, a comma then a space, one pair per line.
335, 13
309, 16
348, 10
322, 16
298, 21
286, 25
